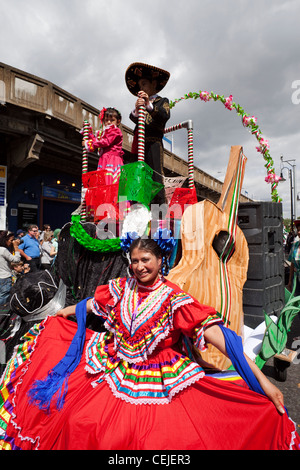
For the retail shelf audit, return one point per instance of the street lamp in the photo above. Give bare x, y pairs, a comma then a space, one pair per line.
291, 171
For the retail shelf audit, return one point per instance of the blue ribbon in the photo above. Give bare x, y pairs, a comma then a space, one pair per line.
234, 349
56, 383
164, 240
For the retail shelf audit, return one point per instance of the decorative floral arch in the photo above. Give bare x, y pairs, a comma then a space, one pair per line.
251, 123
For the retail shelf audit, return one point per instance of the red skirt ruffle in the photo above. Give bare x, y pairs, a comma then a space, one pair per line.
210, 414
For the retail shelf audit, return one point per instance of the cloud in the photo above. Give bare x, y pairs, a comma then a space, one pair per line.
247, 49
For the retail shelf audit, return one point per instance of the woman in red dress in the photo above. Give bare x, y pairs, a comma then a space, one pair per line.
135, 386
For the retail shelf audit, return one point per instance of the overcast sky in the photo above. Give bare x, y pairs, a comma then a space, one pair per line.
249, 49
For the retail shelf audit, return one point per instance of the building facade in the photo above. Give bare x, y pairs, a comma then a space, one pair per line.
41, 152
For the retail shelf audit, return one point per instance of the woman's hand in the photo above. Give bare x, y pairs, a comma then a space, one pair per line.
214, 335
66, 312
274, 394
271, 391
16, 243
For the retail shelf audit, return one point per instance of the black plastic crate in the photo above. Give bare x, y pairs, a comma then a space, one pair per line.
261, 223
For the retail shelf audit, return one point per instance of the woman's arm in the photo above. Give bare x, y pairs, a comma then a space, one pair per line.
68, 311
53, 251
214, 335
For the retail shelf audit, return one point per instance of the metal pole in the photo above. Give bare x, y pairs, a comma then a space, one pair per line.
189, 126
295, 192
84, 169
141, 133
292, 199
292, 173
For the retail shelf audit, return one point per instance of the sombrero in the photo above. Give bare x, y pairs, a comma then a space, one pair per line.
137, 70
297, 223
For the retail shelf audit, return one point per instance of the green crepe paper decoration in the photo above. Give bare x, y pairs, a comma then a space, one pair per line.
275, 337
93, 244
248, 121
136, 183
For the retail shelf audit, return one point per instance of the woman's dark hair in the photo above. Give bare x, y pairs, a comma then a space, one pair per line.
113, 112
146, 244
4, 237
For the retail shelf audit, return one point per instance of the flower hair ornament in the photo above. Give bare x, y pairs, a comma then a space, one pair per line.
162, 237
166, 242
126, 240
110, 110
102, 114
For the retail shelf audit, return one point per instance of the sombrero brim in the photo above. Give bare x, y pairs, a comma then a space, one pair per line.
137, 70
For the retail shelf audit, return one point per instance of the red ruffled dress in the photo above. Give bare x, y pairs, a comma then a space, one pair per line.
134, 388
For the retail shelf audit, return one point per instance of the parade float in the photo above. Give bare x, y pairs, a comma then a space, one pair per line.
209, 259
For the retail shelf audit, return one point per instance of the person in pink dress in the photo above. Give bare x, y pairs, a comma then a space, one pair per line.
136, 385
108, 142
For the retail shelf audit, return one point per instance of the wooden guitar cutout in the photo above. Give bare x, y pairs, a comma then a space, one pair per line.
215, 255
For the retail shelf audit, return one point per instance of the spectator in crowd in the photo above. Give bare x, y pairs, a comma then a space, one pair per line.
55, 238
290, 240
47, 250
8, 245
18, 269
30, 248
46, 228
20, 234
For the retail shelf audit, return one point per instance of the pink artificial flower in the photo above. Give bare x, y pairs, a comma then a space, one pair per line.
247, 120
205, 96
264, 143
272, 178
228, 102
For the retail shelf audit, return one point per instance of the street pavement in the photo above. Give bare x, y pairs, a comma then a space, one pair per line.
291, 386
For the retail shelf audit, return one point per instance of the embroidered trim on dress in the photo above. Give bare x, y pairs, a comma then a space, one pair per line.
154, 383
198, 338
136, 348
151, 321
35, 441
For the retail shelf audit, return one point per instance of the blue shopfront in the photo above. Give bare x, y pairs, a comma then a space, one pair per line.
43, 199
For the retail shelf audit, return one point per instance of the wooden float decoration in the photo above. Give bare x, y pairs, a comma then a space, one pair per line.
214, 262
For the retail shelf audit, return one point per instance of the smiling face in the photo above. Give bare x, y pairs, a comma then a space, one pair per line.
145, 266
